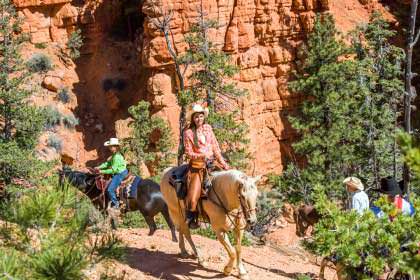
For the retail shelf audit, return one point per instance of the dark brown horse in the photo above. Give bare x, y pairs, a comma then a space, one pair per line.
149, 200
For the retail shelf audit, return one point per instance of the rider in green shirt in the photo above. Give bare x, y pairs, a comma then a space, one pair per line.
115, 166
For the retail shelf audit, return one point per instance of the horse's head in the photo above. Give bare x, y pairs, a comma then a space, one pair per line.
305, 216
80, 180
248, 194
62, 175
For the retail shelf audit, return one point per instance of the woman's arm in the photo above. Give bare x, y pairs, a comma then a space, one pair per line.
216, 149
104, 165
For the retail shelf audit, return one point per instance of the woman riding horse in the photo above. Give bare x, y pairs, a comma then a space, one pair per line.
201, 146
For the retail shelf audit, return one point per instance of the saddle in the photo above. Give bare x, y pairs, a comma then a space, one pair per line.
101, 183
180, 176
179, 180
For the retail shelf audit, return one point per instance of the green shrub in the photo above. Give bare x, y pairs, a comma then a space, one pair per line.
59, 262
111, 247
63, 95
364, 244
40, 45
39, 62
141, 145
303, 277
74, 43
133, 220
70, 121
18, 163
55, 142
10, 267
53, 117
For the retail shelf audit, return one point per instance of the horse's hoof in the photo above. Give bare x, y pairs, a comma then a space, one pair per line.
184, 255
227, 270
244, 276
174, 239
151, 232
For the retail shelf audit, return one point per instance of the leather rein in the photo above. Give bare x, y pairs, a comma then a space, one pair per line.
245, 209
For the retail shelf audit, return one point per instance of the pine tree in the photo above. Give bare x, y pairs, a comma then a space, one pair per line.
150, 142
328, 131
380, 79
21, 122
212, 67
348, 120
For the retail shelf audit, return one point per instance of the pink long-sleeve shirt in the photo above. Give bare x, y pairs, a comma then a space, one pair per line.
207, 144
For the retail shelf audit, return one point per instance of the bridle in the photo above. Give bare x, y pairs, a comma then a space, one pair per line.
245, 209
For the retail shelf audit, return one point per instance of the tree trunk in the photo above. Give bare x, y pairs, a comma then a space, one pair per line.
408, 78
180, 90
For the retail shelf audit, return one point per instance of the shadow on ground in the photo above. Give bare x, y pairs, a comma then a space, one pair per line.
167, 266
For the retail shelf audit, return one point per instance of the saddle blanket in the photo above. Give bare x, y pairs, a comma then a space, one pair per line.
131, 187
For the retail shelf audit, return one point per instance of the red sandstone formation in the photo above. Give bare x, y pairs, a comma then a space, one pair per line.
262, 36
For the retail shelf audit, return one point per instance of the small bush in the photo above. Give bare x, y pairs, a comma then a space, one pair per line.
59, 262
52, 117
40, 45
74, 43
303, 277
55, 142
111, 247
133, 220
9, 265
63, 95
70, 121
39, 62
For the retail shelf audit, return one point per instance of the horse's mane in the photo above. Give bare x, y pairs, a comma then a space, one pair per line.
231, 175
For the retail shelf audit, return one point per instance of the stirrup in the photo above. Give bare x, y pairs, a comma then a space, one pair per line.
191, 219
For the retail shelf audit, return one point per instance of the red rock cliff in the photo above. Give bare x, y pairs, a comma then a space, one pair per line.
262, 35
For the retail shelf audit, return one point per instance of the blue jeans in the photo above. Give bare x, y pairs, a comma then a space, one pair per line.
115, 182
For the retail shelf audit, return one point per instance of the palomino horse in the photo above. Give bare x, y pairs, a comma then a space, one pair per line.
231, 204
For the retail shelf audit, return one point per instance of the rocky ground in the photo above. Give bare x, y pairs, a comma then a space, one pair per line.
156, 257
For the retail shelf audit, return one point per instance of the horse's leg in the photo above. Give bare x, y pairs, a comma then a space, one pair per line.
324, 263
151, 223
223, 238
187, 235
243, 274
181, 244
168, 220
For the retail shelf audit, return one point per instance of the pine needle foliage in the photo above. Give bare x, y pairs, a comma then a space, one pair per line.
366, 245
211, 69
21, 122
348, 121
150, 142
47, 235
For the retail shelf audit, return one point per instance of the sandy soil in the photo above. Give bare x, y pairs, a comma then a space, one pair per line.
156, 257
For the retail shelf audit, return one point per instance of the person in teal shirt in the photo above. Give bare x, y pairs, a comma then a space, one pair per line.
115, 166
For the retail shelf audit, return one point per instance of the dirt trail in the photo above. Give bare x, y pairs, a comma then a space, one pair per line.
156, 257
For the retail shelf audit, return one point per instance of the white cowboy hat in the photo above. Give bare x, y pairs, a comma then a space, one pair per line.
112, 142
196, 108
355, 182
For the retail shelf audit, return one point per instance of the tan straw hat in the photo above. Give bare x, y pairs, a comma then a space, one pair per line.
355, 182
196, 108
112, 142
